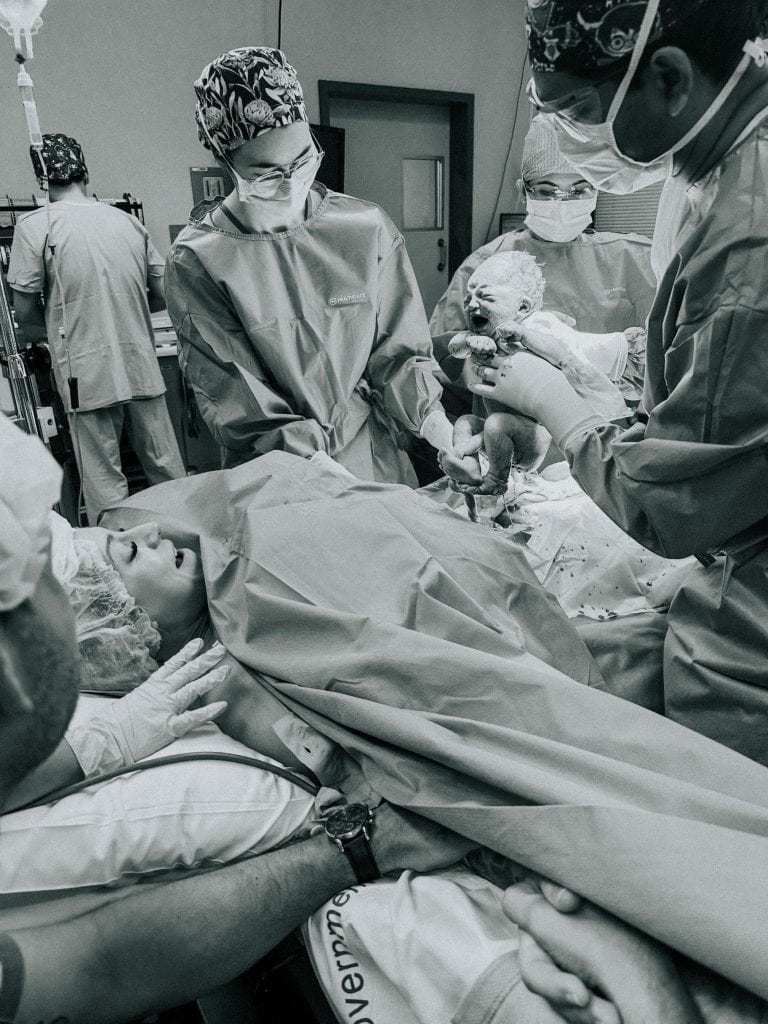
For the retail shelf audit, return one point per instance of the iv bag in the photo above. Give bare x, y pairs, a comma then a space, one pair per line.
21, 17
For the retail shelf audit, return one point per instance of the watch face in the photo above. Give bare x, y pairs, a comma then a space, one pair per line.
346, 821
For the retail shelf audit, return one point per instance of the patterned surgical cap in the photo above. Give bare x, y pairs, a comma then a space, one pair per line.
244, 93
63, 160
578, 35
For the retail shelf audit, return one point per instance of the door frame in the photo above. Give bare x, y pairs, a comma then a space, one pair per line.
461, 108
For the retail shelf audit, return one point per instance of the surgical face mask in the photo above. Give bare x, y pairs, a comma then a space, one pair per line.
592, 148
559, 220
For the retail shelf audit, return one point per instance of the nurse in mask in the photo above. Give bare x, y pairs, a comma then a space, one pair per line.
601, 280
299, 319
643, 91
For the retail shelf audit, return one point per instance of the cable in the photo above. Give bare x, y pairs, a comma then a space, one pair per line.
161, 762
280, 24
509, 152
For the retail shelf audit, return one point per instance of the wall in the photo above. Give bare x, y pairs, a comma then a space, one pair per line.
118, 77
476, 46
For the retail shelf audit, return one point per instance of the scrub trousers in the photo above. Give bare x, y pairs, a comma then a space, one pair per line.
97, 449
716, 654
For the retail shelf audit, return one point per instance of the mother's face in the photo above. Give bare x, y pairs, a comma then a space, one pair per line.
167, 582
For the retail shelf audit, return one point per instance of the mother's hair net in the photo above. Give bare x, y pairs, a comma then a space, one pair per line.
30, 482
116, 637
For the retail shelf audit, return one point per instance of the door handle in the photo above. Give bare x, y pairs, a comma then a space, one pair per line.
441, 251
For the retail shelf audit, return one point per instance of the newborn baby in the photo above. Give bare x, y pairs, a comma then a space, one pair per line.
505, 289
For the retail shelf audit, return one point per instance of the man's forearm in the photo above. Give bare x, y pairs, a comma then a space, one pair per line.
169, 944
58, 770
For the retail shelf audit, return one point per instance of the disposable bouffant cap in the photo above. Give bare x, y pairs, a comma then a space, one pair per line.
541, 153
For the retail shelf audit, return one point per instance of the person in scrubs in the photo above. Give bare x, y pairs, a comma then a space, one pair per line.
99, 275
641, 92
299, 319
601, 280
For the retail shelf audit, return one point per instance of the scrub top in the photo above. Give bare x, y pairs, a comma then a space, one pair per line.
601, 279
103, 257
310, 339
693, 479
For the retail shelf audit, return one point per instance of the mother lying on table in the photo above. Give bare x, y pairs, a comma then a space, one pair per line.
424, 650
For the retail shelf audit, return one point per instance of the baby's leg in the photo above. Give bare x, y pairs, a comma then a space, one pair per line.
531, 441
499, 443
463, 467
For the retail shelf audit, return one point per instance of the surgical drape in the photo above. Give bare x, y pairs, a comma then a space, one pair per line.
423, 646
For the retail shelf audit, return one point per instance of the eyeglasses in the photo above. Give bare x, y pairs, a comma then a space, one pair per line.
267, 184
551, 193
582, 106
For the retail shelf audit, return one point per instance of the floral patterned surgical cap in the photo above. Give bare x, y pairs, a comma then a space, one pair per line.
63, 157
244, 93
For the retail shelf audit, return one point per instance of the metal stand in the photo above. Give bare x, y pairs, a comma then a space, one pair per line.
23, 389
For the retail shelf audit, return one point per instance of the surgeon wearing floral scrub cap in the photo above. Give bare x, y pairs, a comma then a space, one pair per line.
299, 319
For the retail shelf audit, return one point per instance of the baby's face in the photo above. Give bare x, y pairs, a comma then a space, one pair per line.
491, 297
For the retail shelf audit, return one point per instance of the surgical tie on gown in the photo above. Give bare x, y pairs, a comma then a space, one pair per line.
424, 647
694, 478
312, 339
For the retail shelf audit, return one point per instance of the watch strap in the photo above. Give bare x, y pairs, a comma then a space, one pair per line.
360, 855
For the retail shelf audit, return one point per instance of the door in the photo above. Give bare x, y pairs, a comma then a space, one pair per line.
396, 156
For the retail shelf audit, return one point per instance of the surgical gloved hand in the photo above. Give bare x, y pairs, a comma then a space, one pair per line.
437, 429
532, 386
153, 715
544, 334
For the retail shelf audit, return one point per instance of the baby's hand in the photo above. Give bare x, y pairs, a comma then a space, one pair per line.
464, 344
482, 346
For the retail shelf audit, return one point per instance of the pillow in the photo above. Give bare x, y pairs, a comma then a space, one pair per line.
192, 815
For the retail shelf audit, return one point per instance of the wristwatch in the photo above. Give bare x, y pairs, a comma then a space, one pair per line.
349, 827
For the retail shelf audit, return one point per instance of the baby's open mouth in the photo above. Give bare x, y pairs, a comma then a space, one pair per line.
479, 323
179, 558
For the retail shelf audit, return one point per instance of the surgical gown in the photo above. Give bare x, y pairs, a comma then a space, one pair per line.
310, 339
693, 479
601, 279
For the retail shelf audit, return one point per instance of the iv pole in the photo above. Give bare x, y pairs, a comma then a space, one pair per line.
22, 385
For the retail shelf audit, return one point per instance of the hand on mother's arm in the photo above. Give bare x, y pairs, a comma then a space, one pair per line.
591, 967
135, 726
